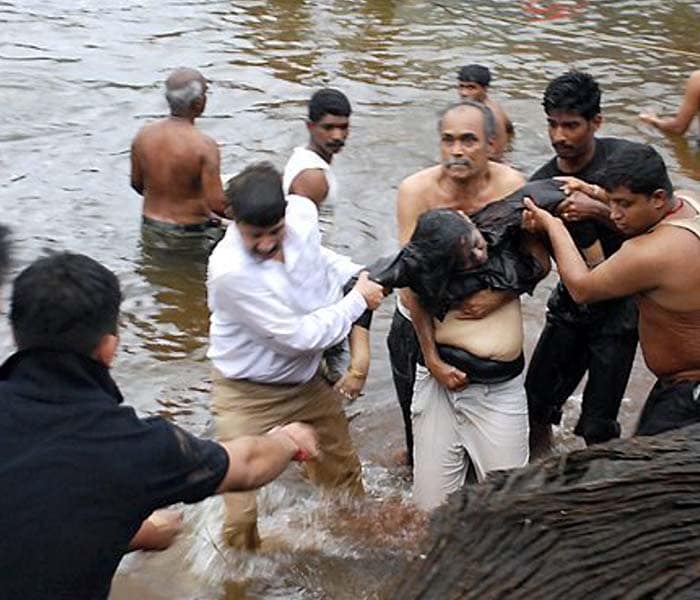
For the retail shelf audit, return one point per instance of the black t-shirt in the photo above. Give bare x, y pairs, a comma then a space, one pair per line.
79, 473
612, 316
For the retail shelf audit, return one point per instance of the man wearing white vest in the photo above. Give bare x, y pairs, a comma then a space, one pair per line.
308, 171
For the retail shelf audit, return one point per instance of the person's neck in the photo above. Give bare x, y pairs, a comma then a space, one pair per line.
675, 205
571, 166
183, 118
320, 151
466, 191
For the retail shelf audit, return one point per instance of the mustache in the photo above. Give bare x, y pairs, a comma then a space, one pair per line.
338, 144
562, 146
457, 162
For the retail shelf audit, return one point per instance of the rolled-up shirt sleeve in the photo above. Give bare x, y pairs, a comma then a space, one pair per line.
280, 327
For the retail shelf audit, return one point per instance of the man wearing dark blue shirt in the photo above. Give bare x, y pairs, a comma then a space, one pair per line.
79, 471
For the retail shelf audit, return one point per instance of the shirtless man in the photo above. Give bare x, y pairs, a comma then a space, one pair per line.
308, 171
473, 83
176, 167
687, 111
458, 422
654, 265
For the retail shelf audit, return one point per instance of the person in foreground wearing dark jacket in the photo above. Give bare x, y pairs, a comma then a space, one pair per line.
80, 472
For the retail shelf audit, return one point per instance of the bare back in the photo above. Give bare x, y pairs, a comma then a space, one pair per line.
504, 127
176, 168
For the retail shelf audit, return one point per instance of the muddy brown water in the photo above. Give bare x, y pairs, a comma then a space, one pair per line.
79, 78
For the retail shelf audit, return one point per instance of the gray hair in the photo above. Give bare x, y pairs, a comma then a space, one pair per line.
183, 97
487, 113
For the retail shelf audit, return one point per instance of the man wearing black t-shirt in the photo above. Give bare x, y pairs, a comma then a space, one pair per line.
600, 338
79, 471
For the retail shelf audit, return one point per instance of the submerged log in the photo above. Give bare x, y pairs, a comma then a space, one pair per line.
620, 520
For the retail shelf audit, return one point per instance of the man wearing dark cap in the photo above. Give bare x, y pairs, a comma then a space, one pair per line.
473, 82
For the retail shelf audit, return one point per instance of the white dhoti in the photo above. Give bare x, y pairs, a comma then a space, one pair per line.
485, 425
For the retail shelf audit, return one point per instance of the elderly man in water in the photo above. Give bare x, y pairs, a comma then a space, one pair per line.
176, 169
459, 421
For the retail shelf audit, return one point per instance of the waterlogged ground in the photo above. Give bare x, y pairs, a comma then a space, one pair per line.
80, 78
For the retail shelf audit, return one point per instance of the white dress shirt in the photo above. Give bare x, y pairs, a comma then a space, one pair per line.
271, 320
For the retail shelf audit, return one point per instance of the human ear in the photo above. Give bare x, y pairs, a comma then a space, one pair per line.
106, 349
659, 199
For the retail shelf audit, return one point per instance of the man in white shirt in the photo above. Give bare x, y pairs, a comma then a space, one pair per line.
273, 294
308, 171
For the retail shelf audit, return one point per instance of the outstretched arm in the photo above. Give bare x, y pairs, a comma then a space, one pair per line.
257, 460
632, 269
690, 105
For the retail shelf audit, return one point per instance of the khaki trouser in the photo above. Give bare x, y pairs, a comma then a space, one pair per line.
242, 407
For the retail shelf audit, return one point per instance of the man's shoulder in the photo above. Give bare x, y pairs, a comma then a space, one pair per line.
613, 144
305, 158
421, 181
505, 172
505, 179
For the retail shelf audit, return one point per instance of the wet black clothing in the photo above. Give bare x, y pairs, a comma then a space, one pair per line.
600, 338
619, 314
403, 356
79, 473
561, 358
670, 405
431, 264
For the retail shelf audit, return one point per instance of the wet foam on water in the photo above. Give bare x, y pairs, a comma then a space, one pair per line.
299, 526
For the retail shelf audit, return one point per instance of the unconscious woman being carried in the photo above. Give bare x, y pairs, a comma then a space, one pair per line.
448, 259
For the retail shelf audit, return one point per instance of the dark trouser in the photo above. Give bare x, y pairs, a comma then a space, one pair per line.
670, 405
403, 355
197, 239
562, 356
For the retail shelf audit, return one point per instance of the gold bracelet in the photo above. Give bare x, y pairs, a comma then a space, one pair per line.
355, 373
